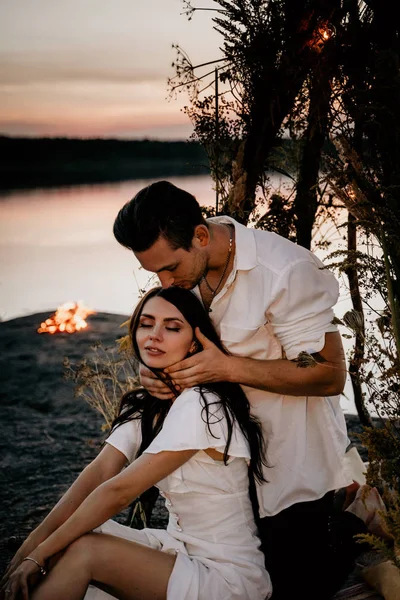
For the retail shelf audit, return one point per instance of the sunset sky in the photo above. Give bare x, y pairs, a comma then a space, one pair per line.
96, 67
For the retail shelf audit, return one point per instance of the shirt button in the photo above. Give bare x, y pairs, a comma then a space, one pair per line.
168, 503
179, 528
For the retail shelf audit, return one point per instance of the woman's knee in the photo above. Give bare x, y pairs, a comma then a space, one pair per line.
82, 550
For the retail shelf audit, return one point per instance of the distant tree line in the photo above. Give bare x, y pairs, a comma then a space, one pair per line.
39, 162
31, 162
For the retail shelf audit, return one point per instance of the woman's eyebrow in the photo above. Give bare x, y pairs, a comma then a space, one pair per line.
166, 320
173, 319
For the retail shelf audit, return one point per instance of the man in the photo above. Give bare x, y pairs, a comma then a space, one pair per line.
270, 300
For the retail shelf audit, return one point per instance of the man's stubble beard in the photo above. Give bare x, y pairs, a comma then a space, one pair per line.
195, 282
202, 275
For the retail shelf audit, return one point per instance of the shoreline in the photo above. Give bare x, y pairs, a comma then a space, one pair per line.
47, 313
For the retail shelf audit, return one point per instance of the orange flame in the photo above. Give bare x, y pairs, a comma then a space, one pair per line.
68, 318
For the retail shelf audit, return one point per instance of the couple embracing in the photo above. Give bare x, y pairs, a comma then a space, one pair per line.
246, 446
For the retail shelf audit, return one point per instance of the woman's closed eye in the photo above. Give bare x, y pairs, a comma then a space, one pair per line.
149, 325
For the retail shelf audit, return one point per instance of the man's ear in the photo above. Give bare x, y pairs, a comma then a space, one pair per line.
201, 236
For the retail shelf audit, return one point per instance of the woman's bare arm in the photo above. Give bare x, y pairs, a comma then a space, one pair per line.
111, 497
107, 464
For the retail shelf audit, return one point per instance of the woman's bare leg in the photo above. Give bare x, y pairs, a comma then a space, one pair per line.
123, 568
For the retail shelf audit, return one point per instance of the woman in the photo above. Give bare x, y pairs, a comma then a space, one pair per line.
196, 449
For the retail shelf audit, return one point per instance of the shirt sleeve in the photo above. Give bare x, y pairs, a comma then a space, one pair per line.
185, 427
301, 312
127, 438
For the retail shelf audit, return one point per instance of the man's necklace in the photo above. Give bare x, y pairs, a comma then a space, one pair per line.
215, 290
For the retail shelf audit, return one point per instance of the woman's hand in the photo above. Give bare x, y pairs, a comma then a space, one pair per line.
17, 583
153, 385
14, 564
25, 550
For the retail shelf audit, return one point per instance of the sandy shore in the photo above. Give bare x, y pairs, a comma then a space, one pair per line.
48, 436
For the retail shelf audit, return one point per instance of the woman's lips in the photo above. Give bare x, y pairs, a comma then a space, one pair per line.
154, 351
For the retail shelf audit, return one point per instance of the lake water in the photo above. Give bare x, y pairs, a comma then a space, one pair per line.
57, 245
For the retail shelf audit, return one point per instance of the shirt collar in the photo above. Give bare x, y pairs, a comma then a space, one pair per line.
246, 253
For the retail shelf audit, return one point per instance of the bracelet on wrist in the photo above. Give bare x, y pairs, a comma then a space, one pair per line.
42, 569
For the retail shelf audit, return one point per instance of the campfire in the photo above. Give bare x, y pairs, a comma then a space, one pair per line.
68, 318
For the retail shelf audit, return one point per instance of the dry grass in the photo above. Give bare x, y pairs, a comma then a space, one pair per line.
103, 377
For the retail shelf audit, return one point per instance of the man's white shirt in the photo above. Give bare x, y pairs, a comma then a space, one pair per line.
278, 302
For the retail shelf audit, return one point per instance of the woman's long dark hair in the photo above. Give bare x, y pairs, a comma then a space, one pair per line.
139, 404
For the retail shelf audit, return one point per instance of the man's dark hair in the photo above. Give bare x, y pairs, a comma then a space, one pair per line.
158, 209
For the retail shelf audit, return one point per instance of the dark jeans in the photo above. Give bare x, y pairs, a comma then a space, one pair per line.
309, 549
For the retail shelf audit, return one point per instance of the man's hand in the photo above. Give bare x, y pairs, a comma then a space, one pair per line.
209, 365
153, 385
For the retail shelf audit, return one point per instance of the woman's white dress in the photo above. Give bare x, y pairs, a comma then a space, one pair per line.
211, 527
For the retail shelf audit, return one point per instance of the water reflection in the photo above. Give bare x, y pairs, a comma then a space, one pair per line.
57, 245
